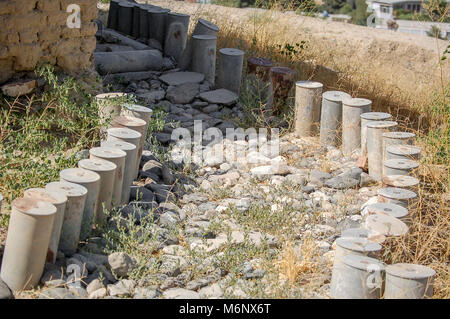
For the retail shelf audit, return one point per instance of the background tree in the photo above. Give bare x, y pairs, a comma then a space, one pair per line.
360, 15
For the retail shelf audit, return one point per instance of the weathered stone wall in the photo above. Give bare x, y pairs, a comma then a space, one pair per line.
35, 31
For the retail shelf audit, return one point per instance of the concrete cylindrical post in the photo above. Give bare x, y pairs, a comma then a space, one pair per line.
258, 79
137, 125
260, 67
143, 21
107, 172
117, 157
401, 181
90, 180
140, 112
375, 131
177, 25
367, 118
308, 97
130, 165
135, 32
203, 27
409, 281
397, 138
125, 19
59, 200
408, 152
130, 136
392, 210
351, 123
157, 24
331, 117
386, 225
282, 81
355, 233
400, 167
229, 73
109, 106
357, 277
398, 196
362, 233
29, 231
113, 15
355, 246
204, 56
71, 227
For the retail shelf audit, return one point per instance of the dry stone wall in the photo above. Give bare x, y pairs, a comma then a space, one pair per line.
35, 32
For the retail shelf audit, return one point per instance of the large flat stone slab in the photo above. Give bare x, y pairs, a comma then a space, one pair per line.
220, 96
178, 78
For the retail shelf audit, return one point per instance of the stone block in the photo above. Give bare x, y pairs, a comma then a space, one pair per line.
49, 5
28, 36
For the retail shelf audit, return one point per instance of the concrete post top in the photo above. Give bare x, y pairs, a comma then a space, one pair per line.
34, 207
381, 124
363, 233
376, 116
399, 135
137, 108
121, 145
127, 4
97, 165
410, 271
110, 95
363, 263
158, 10
107, 152
283, 70
386, 225
355, 233
69, 189
357, 102
208, 24
144, 6
231, 51
41, 194
309, 84
400, 181
358, 244
336, 96
388, 209
404, 150
401, 163
79, 175
181, 15
260, 62
123, 132
204, 37
396, 193
128, 121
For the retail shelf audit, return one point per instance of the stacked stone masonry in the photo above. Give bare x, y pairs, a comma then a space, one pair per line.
35, 32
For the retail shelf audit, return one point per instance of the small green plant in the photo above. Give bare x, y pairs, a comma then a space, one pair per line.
40, 135
291, 51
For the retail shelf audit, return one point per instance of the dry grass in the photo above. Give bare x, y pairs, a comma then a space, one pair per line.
293, 267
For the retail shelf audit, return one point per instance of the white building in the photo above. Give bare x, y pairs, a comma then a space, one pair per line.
384, 9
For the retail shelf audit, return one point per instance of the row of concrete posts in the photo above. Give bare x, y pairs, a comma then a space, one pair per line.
59, 216
341, 120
